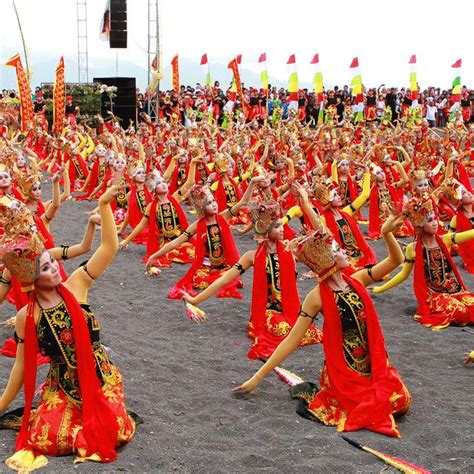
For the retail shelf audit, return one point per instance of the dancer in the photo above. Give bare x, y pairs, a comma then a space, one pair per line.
275, 298
442, 297
360, 389
82, 407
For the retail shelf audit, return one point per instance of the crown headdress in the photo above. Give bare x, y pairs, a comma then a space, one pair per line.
199, 196
418, 209
264, 216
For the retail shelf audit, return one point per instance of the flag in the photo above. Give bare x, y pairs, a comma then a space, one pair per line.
456, 92
318, 85
59, 93
175, 71
264, 73
413, 81
154, 63
293, 87
23, 86
205, 63
357, 89
237, 85
105, 23
239, 59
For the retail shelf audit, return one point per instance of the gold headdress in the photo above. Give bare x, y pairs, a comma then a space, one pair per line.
26, 182
199, 196
264, 216
134, 167
418, 209
221, 163
418, 174
316, 251
324, 190
452, 191
21, 245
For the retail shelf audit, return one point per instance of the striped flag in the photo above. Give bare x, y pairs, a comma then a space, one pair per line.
293, 87
456, 92
205, 63
318, 78
357, 89
413, 81
262, 60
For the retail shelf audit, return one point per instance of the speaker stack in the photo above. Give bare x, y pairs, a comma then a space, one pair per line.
125, 102
118, 24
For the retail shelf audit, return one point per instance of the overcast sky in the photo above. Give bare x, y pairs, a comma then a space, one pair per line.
382, 33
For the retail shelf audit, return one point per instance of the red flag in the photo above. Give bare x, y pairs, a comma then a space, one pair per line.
175, 67
291, 59
239, 58
59, 92
154, 63
262, 58
355, 62
315, 59
458, 63
412, 59
204, 59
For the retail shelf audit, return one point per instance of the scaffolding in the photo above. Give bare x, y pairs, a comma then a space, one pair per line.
82, 53
154, 50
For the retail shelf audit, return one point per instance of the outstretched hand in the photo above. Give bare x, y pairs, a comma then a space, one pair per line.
111, 194
249, 386
393, 223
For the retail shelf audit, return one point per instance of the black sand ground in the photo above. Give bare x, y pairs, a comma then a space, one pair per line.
179, 376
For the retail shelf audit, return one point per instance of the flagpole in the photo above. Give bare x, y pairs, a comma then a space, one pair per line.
25, 51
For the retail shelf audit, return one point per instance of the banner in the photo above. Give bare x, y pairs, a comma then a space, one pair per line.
59, 102
26, 102
235, 70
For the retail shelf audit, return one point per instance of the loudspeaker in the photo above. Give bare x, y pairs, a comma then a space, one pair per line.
125, 102
118, 24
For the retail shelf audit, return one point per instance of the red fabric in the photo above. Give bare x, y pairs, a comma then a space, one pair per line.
152, 245
221, 196
368, 253
231, 254
419, 280
135, 215
466, 249
290, 300
464, 177
9, 350
99, 423
365, 400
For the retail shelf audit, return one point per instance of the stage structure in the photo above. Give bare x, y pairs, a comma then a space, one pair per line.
82, 53
154, 51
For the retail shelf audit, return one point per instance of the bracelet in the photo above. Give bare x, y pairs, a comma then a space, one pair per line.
304, 314
453, 238
18, 340
231, 212
4, 281
409, 260
352, 208
239, 267
187, 234
64, 251
47, 218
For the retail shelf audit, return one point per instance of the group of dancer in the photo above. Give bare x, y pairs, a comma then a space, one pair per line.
314, 195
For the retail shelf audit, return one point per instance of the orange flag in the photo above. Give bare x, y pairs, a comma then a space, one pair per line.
235, 69
59, 103
26, 103
175, 69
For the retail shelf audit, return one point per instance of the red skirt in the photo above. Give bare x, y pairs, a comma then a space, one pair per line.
448, 309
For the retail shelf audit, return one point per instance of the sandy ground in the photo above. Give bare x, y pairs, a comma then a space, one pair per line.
179, 376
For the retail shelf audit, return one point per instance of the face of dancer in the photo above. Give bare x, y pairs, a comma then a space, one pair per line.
211, 207
430, 225
119, 164
340, 256
140, 176
230, 168
100, 151
380, 176
5, 180
344, 167
161, 186
466, 197
280, 164
20, 161
35, 191
422, 186
336, 200
276, 231
49, 276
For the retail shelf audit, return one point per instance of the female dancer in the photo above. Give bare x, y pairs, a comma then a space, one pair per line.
275, 298
82, 407
215, 246
442, 296
360, 389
